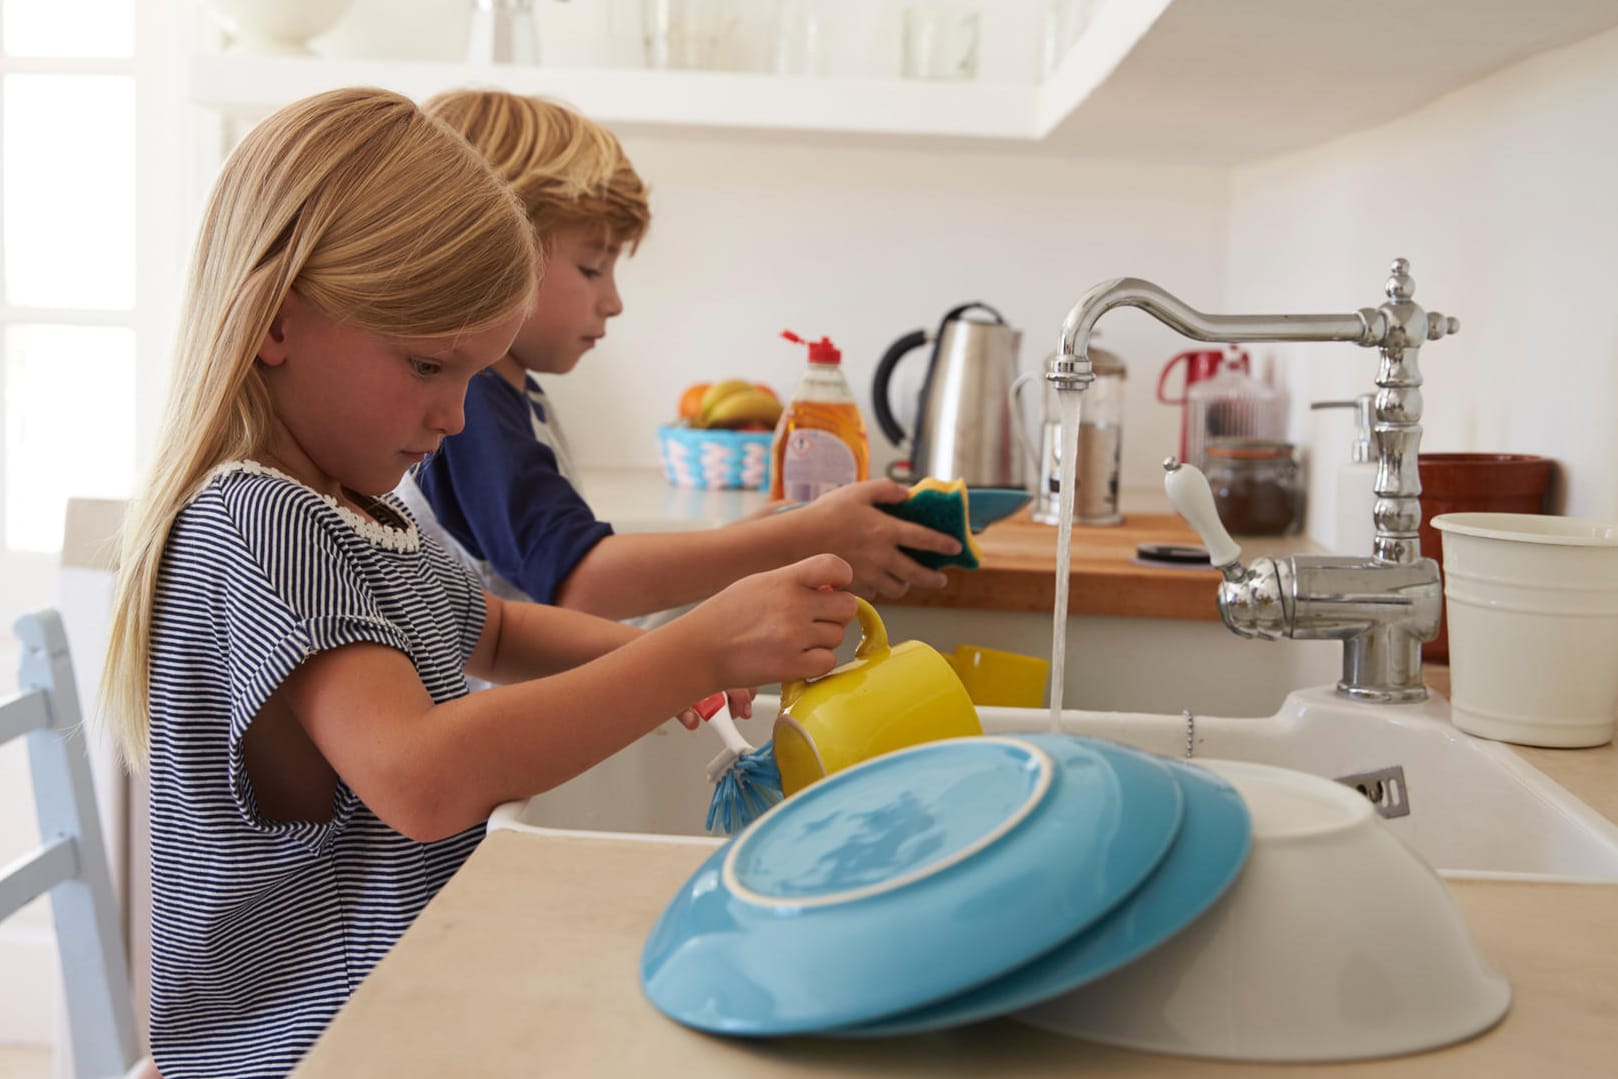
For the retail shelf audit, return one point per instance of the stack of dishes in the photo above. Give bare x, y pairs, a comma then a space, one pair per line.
975, 877
900, 894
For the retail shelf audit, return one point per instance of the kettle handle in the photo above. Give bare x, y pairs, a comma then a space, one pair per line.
873, 642
884, 373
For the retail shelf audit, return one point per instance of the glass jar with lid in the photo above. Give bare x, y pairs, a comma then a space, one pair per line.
1101, 439
1257, 485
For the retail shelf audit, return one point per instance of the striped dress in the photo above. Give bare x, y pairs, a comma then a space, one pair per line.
262, 928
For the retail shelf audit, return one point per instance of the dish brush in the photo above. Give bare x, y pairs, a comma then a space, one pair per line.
746, 781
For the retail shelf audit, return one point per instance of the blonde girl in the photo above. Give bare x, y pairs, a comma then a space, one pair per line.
503, 494
288, 651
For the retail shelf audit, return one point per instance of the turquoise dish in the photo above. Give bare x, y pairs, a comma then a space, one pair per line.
986, 505
906, 880
1204, 862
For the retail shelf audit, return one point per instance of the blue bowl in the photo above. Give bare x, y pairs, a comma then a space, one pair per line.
986, 505
906, 880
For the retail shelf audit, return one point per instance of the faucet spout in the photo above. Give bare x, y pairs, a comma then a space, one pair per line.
1366, 327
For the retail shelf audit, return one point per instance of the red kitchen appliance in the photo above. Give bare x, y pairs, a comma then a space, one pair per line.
1199, 365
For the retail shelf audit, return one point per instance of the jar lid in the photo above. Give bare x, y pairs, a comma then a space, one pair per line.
1248, 449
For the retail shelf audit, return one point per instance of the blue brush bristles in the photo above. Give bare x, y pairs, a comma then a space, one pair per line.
746, 790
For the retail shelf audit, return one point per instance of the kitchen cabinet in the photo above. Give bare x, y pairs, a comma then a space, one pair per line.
1215, 81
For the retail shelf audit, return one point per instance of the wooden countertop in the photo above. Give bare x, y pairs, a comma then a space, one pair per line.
527, 964
1018, 570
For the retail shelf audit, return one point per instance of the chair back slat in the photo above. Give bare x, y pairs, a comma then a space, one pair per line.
71, 866
35, 873
22, 714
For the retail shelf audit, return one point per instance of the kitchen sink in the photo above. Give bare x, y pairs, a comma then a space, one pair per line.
1470, 807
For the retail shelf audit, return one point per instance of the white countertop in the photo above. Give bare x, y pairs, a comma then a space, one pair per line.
643, 500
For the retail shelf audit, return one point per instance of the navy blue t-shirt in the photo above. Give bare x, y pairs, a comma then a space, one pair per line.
498, 497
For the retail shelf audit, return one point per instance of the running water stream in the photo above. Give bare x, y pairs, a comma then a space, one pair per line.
1068, 404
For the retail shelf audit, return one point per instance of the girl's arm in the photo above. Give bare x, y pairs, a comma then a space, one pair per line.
625, 575
432, 770
521, 641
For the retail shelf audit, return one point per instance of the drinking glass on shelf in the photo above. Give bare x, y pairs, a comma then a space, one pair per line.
801, 46
712, 35
1065, 22
503, 33
940, 41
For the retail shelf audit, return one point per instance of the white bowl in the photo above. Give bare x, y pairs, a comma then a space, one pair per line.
277, 27
1337, 942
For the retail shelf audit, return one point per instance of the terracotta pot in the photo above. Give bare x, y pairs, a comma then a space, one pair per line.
1475, 483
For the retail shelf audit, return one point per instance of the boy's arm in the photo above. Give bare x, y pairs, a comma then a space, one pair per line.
626, 575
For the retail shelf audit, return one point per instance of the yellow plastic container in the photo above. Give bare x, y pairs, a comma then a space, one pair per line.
882, 700
1006, 679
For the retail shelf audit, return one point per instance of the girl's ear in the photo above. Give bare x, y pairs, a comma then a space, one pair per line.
272, 350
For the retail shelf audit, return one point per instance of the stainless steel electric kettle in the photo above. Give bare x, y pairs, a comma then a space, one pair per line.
964, 425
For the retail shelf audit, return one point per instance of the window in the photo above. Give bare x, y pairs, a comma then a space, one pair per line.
67, 278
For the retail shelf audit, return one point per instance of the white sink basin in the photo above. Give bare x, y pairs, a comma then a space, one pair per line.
1475, 808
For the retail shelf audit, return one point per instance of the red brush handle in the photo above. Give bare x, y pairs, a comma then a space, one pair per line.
710, 705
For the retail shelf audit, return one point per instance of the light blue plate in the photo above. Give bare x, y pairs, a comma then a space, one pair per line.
1205, 860
908, 879
986, 505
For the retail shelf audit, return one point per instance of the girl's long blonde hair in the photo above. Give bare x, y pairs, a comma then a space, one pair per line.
566, 168
381, 217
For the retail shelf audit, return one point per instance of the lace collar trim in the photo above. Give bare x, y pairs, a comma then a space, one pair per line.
375, 533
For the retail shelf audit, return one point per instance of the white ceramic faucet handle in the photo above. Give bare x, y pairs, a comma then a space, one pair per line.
1192, 499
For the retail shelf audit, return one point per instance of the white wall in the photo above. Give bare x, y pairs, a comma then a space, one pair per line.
864, 245
1504, 196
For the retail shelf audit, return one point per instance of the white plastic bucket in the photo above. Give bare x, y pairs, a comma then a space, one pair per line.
1532, 606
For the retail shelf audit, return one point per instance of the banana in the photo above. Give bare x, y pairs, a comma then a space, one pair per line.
748, 405
721, 390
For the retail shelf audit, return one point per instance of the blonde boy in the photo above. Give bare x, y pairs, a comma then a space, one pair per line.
504, 492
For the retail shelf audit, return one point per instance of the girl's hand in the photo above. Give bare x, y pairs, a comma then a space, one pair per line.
740, 701
775, 626
847, 523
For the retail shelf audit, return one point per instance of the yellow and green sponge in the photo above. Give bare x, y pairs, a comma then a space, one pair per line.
942, 507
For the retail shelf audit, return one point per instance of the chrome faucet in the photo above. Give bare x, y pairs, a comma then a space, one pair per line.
1382, 606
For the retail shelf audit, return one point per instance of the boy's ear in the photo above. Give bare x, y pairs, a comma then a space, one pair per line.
272, 350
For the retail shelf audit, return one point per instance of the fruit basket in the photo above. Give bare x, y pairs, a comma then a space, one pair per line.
715, 457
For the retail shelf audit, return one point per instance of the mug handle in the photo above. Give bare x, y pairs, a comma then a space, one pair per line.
873, 643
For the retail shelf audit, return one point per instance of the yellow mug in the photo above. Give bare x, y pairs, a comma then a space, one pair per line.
993, 677
882, 700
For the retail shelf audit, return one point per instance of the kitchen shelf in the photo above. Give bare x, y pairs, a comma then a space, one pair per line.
1213, 81
664, 100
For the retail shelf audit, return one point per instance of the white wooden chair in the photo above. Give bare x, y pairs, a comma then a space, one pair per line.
71, 862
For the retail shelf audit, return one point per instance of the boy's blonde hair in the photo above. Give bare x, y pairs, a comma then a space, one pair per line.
375, 213
566, 168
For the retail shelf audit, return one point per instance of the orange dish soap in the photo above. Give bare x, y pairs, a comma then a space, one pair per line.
820, 441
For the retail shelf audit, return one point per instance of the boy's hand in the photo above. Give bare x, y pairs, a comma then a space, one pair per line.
847, 523
776, 626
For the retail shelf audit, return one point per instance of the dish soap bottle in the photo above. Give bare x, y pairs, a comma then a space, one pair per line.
1356, 480
820, 441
